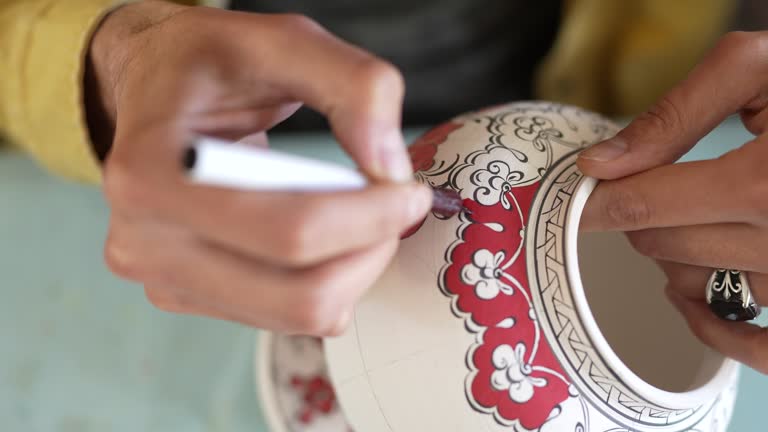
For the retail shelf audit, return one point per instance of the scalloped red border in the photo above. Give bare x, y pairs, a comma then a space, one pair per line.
488, 313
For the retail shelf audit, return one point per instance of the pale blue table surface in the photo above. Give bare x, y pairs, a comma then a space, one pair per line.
81, 351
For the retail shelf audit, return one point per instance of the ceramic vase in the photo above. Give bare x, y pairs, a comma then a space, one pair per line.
505, 318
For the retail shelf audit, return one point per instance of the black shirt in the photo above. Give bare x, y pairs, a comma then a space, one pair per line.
456, 55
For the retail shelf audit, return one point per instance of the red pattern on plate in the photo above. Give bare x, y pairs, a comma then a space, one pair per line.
317, 394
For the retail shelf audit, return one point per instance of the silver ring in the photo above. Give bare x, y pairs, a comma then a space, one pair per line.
729, 295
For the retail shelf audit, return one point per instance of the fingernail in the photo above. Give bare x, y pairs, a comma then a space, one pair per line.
394, 158
606, 150
420, 203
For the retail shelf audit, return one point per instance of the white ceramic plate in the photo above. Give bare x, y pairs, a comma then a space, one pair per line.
293, 385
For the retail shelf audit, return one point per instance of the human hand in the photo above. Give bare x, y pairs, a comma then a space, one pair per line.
695, 216
290, 262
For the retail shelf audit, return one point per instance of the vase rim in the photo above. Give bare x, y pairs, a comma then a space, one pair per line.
697, 396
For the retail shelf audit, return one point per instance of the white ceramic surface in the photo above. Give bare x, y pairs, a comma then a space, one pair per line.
482, 323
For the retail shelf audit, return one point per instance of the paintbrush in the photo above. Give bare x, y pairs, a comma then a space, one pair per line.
217, 162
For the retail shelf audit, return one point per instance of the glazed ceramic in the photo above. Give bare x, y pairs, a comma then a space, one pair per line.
293, 385
507, 319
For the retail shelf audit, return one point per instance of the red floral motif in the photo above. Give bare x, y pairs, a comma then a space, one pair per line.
422, 154
317, 395
424, 149
412, 230
517, 375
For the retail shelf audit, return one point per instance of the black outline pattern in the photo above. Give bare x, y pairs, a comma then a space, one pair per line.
549, 284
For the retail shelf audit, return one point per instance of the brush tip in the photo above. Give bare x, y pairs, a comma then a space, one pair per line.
447, 202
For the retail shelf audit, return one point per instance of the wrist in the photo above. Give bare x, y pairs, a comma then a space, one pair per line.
111, 50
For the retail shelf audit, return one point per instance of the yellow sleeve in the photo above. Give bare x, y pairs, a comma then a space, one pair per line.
42, 50
618, 57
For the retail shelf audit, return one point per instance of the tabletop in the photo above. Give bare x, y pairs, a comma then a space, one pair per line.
81, 351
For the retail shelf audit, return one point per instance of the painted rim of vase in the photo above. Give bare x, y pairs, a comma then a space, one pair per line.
703, 394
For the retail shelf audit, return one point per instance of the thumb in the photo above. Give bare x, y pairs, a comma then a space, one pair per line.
726, 80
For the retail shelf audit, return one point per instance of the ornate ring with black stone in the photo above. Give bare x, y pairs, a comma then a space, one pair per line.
729, 295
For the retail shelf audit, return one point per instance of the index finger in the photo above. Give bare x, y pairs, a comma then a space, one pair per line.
689, 193
360, 94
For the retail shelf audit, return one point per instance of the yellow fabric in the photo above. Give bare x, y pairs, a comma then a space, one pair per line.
611, 56
42, 48
618, 57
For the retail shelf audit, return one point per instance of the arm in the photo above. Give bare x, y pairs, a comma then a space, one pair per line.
43, 50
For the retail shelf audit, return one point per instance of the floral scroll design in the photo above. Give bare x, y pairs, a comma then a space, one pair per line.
494, 181
423, 151
514, 374
516, 368
522, 143
486, 274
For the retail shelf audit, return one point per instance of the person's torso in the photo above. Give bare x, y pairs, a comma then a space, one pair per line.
456, 55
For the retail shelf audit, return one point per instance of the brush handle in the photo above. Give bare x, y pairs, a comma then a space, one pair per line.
216, 162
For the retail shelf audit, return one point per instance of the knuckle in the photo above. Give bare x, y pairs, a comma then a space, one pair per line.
625, 209
165, 300
338, 329
318, 311
297, 21
377, 78
642, 243
664, 115
323, 282
753, 120
302, 232
312, 318
124, 188
121, 260
746, 46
